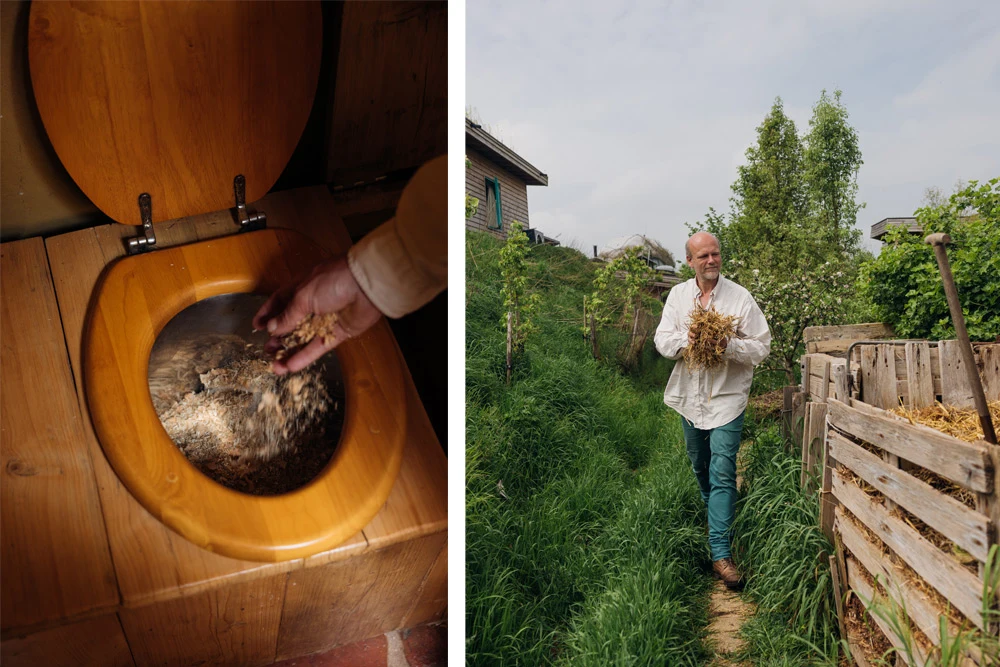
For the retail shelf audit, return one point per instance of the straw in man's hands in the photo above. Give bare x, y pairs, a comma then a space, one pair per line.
709, 334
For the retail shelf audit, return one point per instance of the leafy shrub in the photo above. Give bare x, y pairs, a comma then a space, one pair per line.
904, 281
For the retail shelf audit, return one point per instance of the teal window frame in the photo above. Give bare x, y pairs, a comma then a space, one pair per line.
494, 183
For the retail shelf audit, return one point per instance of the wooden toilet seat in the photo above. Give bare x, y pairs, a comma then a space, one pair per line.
173, 104
135, 298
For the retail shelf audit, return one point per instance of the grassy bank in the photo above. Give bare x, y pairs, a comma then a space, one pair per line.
593, 551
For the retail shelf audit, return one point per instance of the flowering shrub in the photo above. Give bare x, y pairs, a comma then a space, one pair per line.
518, 304
792, 302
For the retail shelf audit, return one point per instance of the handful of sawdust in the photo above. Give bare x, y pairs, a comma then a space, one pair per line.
710, 328
311, 327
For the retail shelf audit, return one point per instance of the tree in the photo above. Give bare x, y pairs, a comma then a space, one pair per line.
519, 305
618, 299
770, 202
904, 280
831, 162
790, 236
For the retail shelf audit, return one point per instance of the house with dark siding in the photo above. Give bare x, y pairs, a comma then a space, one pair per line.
499, 178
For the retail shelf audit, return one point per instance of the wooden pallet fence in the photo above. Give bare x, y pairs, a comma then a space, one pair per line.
836, 339
887, 455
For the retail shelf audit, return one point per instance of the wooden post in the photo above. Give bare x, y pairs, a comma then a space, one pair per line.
593, 337
510, 340
824, 389
798, 417
786, 411
840, 390
806, 370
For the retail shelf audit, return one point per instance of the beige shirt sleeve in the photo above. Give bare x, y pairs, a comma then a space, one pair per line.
403, 263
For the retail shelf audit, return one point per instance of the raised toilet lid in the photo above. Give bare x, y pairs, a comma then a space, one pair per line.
174, 99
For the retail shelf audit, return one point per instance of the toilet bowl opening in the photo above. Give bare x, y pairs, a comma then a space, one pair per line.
235, 421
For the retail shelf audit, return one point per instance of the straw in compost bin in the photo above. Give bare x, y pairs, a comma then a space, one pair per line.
709, 328
961, 423
309, 328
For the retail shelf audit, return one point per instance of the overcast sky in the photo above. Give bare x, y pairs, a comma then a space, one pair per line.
641, 112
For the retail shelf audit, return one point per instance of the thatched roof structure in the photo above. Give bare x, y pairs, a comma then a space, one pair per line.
654, 253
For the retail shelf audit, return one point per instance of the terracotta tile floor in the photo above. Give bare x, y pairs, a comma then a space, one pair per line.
422, 646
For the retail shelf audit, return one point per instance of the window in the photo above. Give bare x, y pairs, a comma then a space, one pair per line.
494, 211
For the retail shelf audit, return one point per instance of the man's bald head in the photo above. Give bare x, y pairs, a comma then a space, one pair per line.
697, 240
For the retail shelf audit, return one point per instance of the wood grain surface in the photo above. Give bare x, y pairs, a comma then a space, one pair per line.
962, 588
151, 561
965, 527
964, 463
173, 99
922, 611
233, 625
99, 642
351, 600
56, 562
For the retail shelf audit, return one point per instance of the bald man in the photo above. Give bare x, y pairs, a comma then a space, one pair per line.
712, 403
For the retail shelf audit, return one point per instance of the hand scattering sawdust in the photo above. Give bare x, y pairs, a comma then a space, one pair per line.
312, 326
709, 328
241, 424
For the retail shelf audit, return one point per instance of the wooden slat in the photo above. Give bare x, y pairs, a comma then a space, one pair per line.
955, 389
840, 388
933, 357
798, 417
919, 378
56, 562
351, 600
989, 370
868, 597
963, 526
885, 377
848, 332
233, 625
815, 435
98, 641
824, 387
919, 607
961, 462
941, 571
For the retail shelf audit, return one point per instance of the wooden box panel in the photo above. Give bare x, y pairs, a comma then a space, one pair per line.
233, 625
99, 642
351, 600
56, 562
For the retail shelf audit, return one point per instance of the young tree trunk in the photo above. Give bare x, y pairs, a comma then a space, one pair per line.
510, 341
789, 371
593, 337
632, 352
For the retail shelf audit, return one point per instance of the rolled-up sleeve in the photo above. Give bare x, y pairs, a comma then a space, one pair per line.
672, 333
752, 342
403, 264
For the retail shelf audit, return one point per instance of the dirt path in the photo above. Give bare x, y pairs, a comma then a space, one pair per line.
728, 611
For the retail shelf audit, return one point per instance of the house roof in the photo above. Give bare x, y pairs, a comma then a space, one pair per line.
478, 138
882, 226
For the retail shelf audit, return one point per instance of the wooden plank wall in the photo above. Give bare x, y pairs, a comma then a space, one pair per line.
390, 99
513, 193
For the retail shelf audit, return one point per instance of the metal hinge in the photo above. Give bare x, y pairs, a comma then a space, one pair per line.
145, 242
248, 218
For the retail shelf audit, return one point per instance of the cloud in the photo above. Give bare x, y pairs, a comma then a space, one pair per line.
640, 114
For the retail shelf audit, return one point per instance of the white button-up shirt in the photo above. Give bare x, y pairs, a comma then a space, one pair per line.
710, 398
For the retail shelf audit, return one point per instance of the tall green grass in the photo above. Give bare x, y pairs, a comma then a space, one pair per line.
778, 541
592, 551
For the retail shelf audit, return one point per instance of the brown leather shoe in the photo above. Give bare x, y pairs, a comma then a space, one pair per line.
725, 569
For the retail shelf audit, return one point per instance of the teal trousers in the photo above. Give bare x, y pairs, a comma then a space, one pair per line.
713, 457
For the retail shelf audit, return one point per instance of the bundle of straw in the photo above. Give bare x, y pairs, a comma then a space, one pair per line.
710, 329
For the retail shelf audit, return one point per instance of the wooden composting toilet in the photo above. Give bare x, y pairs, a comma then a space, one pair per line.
152, 129
116, 550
